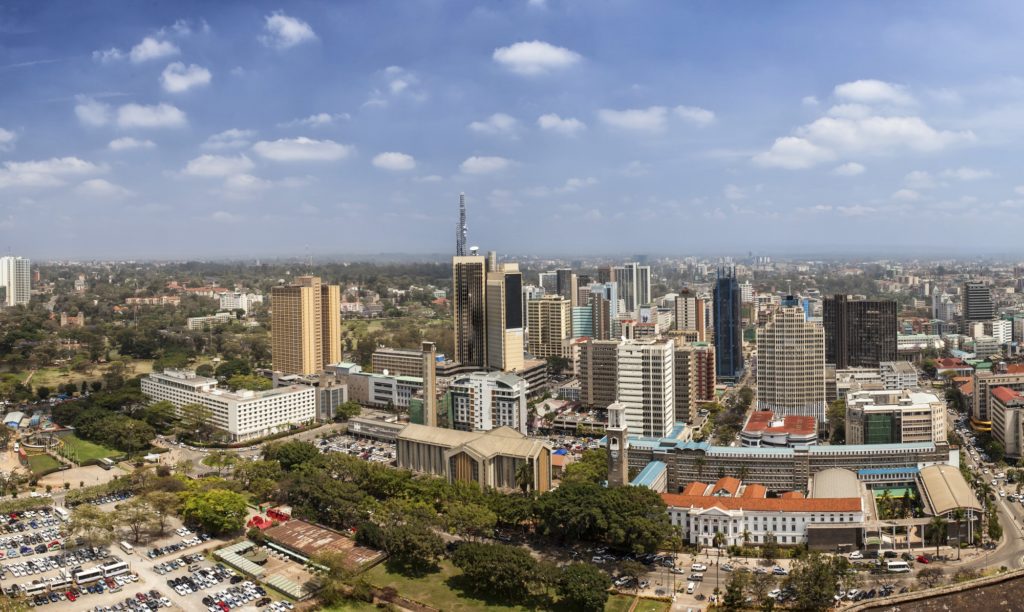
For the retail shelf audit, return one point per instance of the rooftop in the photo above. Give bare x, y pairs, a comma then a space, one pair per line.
944, 489
769, 504
765, 421
835, 483
651, 472
1006, 395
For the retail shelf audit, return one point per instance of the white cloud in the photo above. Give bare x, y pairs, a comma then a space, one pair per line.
223, 216
156, 116
7, 139
872, 91
695, 115
92, 112
575, 184
394, 161
919, 179
849, 169
1019, 190
906, 195
107, 56
100, 188
732, 192
45, 173
129, 143
396, 82
640, 119
535, 57
229, 139
569, 126
850, 111
857, 210
793, 154
809, 101
217, 165
484, 165
636, 169
967, 174
284, 32
177, 77
497, 124
316, 120
246, 183
151, 48
881, 134
302, 149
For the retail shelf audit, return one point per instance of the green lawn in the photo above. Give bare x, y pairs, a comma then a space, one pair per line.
618, 603
651, 605
83, 450
40, 464
352, 606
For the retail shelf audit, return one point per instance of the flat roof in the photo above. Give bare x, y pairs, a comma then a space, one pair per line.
309, 539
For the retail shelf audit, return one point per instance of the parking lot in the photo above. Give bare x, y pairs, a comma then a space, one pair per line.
368, 450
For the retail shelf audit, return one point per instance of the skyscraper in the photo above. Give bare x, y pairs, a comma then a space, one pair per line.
469, 309
565, 284
16, 279
978, 302
634, 282
645, 383
689, 314
505, 318
305, 326
461, 231
550, 323
859, 333
791, 365
598, 372
728, 327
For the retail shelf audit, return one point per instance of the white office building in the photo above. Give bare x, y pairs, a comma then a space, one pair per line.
482, 401
16, 278
898, 375
791, 365
236, 300
244, 415
645, 383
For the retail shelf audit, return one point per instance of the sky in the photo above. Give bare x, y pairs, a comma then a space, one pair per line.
575, 127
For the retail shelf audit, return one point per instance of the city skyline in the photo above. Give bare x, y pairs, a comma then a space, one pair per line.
798, 128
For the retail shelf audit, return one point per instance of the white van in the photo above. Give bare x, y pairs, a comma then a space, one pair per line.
897, 566
127, 548
690, 588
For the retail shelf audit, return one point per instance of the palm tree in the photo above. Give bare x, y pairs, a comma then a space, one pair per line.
939, 530
958, 515
700, 462
524, 476
743, 472
718, 541
746, 537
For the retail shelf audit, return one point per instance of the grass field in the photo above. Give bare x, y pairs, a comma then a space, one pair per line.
434, 589
52, 377
353, 606
651, 605
40, 464
618, 603
83, 450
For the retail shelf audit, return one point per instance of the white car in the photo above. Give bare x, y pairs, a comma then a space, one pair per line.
856, 555
774, 593
698, 567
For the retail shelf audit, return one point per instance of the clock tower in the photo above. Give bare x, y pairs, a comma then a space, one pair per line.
618, 445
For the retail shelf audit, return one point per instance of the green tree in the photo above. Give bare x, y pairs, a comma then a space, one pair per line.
196, 421
813, 579
470, 520
137, 516
334, 583
959, 515
524, 476
995, 450
160, 415
583, 587
42, 392
632, 570
938, 532
250, 382
592, 466
507, 571
94, 526
734, 599
164, 505
836, 418
346, 411
290, 454
930, 577
218, 511
220, 460
233, 367
770, 550
995, 530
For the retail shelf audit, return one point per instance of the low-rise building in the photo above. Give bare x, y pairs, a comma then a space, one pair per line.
894, 417
1007, 406
897, 375
201, 323
764, 429
481, 401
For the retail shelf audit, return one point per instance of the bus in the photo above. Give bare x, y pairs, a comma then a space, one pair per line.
33, 589
897, 566
62, 513
127, 548
88, 576
115, 569
59, 584
106, 463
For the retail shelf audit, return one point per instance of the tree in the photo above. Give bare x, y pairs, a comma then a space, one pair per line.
290, 454
632, 570
760, 585
250, 382
413, 546
346, 411
583, 587
94, 526
524, 476
813, 579
995, 530
260, 478
592, 466
218, 511
938, 532
836, 417
930, 577
233, 367
42, 392
959, 515
557, 364
164, 505
137, 516
160, 415
334, 586
995, 450
508, 571
219, 460
470, 520
770, 550
196, 421
734, 599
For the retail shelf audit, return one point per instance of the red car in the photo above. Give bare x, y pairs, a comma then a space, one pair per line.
71, 595
922, 559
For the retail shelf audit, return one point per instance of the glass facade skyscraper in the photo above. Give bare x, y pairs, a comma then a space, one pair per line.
728, 327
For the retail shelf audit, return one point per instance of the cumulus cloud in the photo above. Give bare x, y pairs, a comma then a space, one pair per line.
106, 56
100, 188
7, 139
177, 77
302, 149
695, 115
849, 169
906, 195
967, 174
154, 116
878, 134
229, 139
569, 126
872, 91
128, 143
652, 119
809, 101
92, 113
284, 32
45, 173
535, 58
316, 120
217, 165
246, 183
498, 124
394, 161
793, 153
395, 82
850, 111
152, 48
484, 164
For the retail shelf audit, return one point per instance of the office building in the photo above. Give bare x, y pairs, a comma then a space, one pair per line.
598, 372
894, 417
583, 322
397, 362
505, 318
550, 322
548, 281
999, 330
689, 315
202, 323
469, 309
16, 280
378, 390
242, 415
764, 429
898, 375
1007, 425
305, 326
728, 327
566, 285
686, 383
634, 284
983, 383
481, 401
605, 274
791, 365
645, 384
461, 230
238, 300
859, 333
977, 302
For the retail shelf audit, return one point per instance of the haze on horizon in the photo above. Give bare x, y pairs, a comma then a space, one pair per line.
248, 129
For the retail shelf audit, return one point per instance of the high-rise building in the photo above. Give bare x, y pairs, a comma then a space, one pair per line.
859, 333
16, 280
645, 384
685, 383
634, 282
605, 274
505, 318
598, 372
482, 401
601, 317
978, 302
791, 365
689, 314
582, 322
728, 327
305, 326
566, 284
469, 309
550, 323
548, 281
461, 230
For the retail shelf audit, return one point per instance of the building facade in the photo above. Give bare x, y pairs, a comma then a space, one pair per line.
469, 309
505, 318
645, 385
977, 305
599, 372
689, 315
894, 417
550, 322
634, 284
305, 326
791, 366
481, 401
728, 326
16, 280
859, 333
1007, 426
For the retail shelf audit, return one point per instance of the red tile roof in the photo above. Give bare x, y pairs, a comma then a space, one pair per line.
967, 388
950, 362
779, 504
727, 483
1006, 395
754, 490
792, 495
1015, 368
761, 420
695, 488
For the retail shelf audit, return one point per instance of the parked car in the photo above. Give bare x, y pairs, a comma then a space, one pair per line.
923, 559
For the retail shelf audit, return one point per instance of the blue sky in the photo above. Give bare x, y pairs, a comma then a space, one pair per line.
242, 129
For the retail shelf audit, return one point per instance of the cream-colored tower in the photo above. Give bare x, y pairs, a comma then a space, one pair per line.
305, 326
